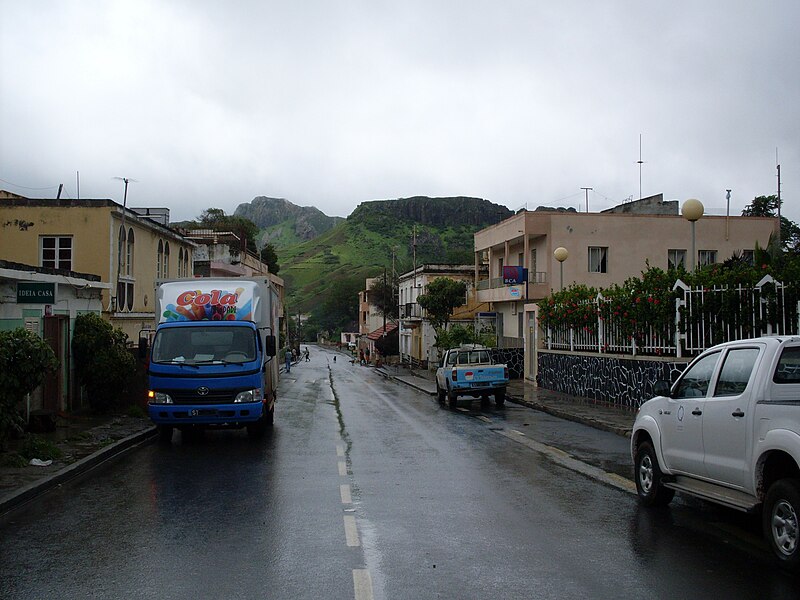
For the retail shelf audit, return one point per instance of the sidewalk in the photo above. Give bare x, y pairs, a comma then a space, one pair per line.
84, 444
582, 410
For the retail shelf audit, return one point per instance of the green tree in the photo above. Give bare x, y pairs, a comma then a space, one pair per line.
382, 294
244, 229
25, 360
767, 206
269, 257
103, 362
440, 298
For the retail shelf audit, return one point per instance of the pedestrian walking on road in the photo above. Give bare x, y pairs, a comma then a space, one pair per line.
308, 355
288, 360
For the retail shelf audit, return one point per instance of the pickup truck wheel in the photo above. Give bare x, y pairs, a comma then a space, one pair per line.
648, 477
780, 519
500, 397
439, 394
452, 399
165, 433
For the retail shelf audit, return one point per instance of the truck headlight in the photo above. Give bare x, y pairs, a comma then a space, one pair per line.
159, 397
254, 395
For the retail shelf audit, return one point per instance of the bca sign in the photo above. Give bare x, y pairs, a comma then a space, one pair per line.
514, 275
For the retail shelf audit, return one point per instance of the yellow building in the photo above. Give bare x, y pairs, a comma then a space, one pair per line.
124, 248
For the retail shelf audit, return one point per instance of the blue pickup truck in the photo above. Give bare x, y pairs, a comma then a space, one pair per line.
469, 371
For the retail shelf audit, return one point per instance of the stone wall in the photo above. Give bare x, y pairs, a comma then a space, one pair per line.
619, 381
514, 358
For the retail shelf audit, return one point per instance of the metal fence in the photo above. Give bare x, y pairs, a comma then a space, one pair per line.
703, 317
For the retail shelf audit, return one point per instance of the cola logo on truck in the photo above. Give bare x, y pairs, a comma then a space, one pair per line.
208, 305
214, 298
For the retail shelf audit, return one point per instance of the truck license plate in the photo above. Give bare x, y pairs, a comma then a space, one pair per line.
200, 412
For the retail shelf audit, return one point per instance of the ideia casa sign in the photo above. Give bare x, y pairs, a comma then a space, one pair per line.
36, 293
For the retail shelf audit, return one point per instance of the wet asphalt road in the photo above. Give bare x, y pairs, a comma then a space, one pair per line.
366, 488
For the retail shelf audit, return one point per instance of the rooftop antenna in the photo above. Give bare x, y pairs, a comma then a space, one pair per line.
640, 162
122, 236
779, 197
586, 189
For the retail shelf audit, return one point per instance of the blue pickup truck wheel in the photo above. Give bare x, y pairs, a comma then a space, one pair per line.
439, 394
452, 399
500, 397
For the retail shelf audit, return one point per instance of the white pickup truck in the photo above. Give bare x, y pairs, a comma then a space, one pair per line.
469, 371
728, 431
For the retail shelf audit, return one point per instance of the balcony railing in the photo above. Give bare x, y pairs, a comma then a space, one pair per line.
411, 310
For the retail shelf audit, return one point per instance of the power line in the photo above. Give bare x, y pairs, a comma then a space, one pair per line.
52, 187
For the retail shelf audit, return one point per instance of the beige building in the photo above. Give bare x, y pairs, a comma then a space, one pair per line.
601, 249
126, 249
417, 336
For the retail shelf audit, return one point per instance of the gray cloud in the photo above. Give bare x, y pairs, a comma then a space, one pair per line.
331, 104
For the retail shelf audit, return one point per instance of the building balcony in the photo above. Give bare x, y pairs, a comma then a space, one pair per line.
411, 310
494, 290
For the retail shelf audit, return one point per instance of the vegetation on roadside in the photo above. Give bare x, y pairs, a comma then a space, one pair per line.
103, 362
25, 361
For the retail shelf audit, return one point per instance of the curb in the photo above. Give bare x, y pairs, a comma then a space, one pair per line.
32, 490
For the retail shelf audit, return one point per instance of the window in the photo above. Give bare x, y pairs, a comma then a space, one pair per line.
736, 371
129, 253
676, 259
166, 259
749, 256
788, 369
159, 259
56, 252
500, 267
129, 294
186, 272
694, 383
180, 262
532, 266
598, 259
706, 257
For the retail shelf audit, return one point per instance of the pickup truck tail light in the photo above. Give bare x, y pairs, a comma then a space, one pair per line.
454, 375
505, 372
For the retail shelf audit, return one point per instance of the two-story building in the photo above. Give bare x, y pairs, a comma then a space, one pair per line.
417, 336
125, 248
599, 250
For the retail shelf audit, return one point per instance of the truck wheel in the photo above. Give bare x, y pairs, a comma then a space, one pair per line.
165, 433
780, 519
500, 397
257, 430
452, 399
648, 477
439, 394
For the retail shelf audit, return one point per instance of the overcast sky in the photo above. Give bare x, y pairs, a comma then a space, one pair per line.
332, 103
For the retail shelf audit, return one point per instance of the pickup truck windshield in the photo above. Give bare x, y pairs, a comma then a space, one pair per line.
204, 344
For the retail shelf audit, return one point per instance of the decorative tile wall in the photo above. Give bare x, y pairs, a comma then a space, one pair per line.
616, 381
514, 358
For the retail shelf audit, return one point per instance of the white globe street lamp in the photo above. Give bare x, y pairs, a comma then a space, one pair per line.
692, 210
561, 254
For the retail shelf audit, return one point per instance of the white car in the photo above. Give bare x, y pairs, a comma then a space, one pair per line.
728, 431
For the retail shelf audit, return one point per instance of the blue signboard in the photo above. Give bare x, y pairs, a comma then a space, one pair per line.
514, 275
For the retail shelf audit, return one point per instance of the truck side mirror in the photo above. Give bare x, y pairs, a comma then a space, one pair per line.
271, 345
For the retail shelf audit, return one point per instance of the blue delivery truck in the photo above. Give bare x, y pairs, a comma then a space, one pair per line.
212, 361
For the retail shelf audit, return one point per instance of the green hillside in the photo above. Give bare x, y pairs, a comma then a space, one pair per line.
332, 265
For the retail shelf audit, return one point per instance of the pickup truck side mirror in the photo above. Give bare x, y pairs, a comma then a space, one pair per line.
271, 345
661, 388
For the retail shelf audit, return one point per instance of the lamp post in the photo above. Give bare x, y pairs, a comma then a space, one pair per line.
561, 255
692, 210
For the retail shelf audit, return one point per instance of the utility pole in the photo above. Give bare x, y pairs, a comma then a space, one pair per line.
640, 162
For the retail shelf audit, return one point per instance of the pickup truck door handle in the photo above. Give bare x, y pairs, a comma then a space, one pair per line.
697, 412
738, 413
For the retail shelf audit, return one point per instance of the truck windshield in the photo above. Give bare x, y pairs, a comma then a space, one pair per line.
204, 344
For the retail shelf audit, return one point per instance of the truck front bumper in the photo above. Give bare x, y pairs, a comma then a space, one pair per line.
204, 414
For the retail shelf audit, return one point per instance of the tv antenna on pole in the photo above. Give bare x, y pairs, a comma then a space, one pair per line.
640, 162
122, 236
